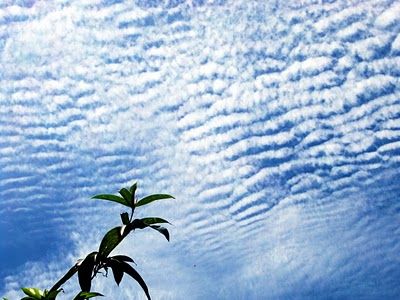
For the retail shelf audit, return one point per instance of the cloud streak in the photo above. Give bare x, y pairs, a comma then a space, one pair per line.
276, 127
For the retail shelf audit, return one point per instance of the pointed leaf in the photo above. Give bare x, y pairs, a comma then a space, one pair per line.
85, 272
133, 188
113, 198
122, 258
125, 218
111, 240
151, 198
51, 295
33, 292
162, 230
137, 224
127, 195
154, 220
86, 295
135, 275
118, 273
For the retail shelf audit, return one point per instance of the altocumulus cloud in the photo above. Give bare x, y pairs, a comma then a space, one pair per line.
275, 124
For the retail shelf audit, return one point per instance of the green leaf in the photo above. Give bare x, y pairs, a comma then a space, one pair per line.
111, 240
137, 224
154, 220
125, 218
122, 258
113, 198
135, 275
127, 195
86, 295
162, 230
132, 189
33, 292
51, 295
118, 273
85, 271
151, 198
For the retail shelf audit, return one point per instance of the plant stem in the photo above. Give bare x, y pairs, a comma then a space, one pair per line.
64, 279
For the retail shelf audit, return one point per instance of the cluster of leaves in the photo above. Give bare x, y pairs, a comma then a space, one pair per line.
34, 293
97, 261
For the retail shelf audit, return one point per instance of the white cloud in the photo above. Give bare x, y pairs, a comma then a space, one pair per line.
389, 17
340, 19
260, 118
370, 47
396, 44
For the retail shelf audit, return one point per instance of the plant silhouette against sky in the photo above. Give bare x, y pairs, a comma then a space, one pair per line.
97, 261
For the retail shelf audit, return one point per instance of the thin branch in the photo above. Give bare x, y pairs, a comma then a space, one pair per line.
64, 279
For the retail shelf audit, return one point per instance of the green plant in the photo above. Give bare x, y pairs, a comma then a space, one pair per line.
97, 261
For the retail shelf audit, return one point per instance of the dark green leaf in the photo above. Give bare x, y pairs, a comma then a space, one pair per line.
33, 292
151, 198
135, 275
85, 271
86, 295
51, 295
125, 218
154, 220
132, 189
127, 195
111, 240
137, 224
118, 273
29, 298
113, 198
122, 258
162, 230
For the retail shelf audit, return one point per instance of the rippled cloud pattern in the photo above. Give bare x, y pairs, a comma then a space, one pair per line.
276, 124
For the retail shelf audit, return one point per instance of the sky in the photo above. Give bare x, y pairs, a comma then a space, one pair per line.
275, 124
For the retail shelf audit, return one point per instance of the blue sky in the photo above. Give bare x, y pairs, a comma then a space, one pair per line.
275, 124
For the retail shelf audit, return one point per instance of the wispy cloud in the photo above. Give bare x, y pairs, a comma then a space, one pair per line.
276, 127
